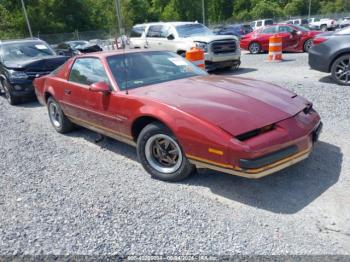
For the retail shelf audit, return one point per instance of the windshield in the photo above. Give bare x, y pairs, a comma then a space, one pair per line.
192, 30
301, 28
26, 51
345, 31
145, 68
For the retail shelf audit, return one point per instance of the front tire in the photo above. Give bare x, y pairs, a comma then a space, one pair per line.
254, 48
341, 70
58, 120
7, 90
161, 155
323, 28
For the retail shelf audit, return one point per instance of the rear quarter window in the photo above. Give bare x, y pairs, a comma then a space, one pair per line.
137, 31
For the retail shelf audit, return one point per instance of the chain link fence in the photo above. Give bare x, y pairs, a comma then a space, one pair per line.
99, 35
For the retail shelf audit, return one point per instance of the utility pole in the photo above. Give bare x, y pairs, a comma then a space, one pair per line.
203, 12
309, 8
117, 7
27, 20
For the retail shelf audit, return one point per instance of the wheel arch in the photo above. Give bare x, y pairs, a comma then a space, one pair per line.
334, 58
181, 52
142, 121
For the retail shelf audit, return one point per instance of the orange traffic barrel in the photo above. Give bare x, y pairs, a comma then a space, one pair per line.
196, 56
275, 49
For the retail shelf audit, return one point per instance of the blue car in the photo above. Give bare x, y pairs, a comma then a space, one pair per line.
238, 30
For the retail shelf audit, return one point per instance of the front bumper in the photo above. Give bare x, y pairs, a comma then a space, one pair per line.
210, 66
319, 59
265, 165
22, 89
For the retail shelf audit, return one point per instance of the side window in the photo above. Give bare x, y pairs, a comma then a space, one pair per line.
87, 71
284, 29
164, 31
259, 23
270, 30
137, 31
154, 31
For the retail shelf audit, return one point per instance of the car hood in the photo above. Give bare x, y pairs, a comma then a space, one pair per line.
48, 63
211, 38
237, 105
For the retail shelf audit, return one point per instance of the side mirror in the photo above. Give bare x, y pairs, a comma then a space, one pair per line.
100, 87
170, 37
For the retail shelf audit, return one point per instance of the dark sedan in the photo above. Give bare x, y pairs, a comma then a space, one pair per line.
72, 48
330, 53
237, 30
21, 61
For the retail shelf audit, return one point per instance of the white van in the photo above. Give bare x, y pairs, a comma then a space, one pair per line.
221, 51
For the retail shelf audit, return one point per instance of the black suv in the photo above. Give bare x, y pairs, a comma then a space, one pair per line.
20, 62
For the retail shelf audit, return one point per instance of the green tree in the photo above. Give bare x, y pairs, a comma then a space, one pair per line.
266, 9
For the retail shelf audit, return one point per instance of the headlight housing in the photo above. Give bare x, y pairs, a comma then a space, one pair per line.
202, 45
17, 75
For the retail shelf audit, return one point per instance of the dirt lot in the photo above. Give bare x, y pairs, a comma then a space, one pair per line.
64, 194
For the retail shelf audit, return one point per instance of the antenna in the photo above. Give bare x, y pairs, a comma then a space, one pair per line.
125, 69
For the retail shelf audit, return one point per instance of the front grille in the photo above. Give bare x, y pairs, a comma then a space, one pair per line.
223, 46
32, 75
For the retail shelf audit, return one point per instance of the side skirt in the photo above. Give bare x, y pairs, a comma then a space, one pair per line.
102, 130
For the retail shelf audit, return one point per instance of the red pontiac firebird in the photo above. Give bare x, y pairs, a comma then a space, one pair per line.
178, 116
294, 38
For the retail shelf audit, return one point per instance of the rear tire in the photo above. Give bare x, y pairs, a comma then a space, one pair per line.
323, 28
58, 120
161, 155
341, 70
307, 45
254, 48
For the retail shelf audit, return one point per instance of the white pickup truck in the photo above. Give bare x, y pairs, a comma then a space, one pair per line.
322, 24
220, 51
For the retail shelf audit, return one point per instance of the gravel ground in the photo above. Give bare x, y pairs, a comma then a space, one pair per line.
64, 194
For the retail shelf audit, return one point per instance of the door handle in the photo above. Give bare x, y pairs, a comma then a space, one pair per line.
67, 91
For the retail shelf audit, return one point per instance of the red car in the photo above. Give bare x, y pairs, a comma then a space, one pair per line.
178, 116
294, 38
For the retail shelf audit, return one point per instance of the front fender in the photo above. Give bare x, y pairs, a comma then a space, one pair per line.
198, 138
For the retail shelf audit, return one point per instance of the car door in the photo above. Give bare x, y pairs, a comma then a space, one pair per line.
265, 34
170, 39
290, 39
81, 103
137, 37
153, 37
